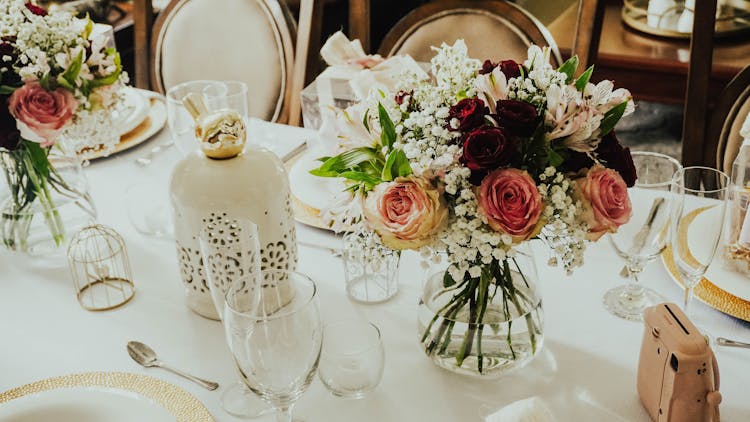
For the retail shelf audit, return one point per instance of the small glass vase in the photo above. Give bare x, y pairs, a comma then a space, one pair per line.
45, 200
371, 271
486, 326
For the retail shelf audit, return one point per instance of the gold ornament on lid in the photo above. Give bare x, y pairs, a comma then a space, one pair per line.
221, 133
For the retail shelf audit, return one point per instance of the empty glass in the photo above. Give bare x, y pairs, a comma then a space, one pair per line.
697, 223
230, 249
371, 274
644, 236
276, 340
351, 363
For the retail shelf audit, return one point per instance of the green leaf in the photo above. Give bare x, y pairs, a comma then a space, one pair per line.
89, 27
388, 135
6, 89
365, 120
584, 78
112, 77
71, 74
611, 118
554, 158
448, 280
569, 68
334, 166
396, 165
358, 176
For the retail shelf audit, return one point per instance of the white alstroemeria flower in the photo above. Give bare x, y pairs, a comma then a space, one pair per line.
565, 113
745, 131
602, 97
349, 129
538, 58
344, 212
492, 87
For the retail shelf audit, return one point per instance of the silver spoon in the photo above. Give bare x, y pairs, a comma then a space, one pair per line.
145, 356
721, 341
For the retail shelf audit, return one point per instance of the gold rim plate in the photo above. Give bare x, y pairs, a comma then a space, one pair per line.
178, 402
306, 213
709, 293
150, 126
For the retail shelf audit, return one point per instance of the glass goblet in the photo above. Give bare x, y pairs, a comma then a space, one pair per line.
644, 236
230, 249
276, 341
697, 223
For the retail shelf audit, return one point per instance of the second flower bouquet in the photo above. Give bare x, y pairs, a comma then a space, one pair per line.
474, 162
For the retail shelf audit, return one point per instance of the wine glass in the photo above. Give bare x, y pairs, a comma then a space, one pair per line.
644, 236
697, 223
230, 249
276, 341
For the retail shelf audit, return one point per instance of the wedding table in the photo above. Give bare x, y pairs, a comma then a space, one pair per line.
586, 370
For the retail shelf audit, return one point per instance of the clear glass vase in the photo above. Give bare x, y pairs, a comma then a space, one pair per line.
371, 271
485, 326
44, 201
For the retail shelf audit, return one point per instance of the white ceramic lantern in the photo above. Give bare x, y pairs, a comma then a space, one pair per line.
251, 184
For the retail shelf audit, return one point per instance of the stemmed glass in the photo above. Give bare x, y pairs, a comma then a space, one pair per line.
276, 341
230, 249
697, 223
644, 236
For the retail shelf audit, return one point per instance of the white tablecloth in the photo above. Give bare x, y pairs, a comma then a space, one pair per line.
586, 371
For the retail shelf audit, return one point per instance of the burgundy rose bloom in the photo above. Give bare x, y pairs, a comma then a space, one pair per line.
485, 149
470, 113
36, 9
577, 161
401, 96
612, 154
9, 135
510, 68
518, 117
487, 67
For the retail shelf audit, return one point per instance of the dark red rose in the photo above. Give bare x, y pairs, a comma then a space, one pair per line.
613, 155
487, 67
36, 9
577, 161
485, 149
518, 117
401, 96
9, 135
470, 113
510, 68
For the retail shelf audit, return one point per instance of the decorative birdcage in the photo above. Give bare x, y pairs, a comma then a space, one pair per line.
100, 268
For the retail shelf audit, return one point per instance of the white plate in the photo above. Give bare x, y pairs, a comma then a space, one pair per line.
101, 396
312, 193
134, 110
84, 404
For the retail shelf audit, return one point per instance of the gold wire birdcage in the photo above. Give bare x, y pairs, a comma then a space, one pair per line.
100, 268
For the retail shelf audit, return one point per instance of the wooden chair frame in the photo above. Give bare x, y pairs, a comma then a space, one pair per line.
531, 29
732, 98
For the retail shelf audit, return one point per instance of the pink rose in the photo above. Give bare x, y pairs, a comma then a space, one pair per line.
42, 112
606, 201
511, 202
407, 213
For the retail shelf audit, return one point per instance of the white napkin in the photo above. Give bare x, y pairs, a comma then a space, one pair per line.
532, 409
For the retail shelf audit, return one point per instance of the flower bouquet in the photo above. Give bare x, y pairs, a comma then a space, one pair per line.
474, 162
56, 81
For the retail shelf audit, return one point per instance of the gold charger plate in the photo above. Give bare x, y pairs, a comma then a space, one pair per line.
178, 402
706, 291
150, 126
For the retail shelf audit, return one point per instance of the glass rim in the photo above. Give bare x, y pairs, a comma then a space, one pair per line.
208, 82
682, 171
660, 155
378, 341
276, 315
